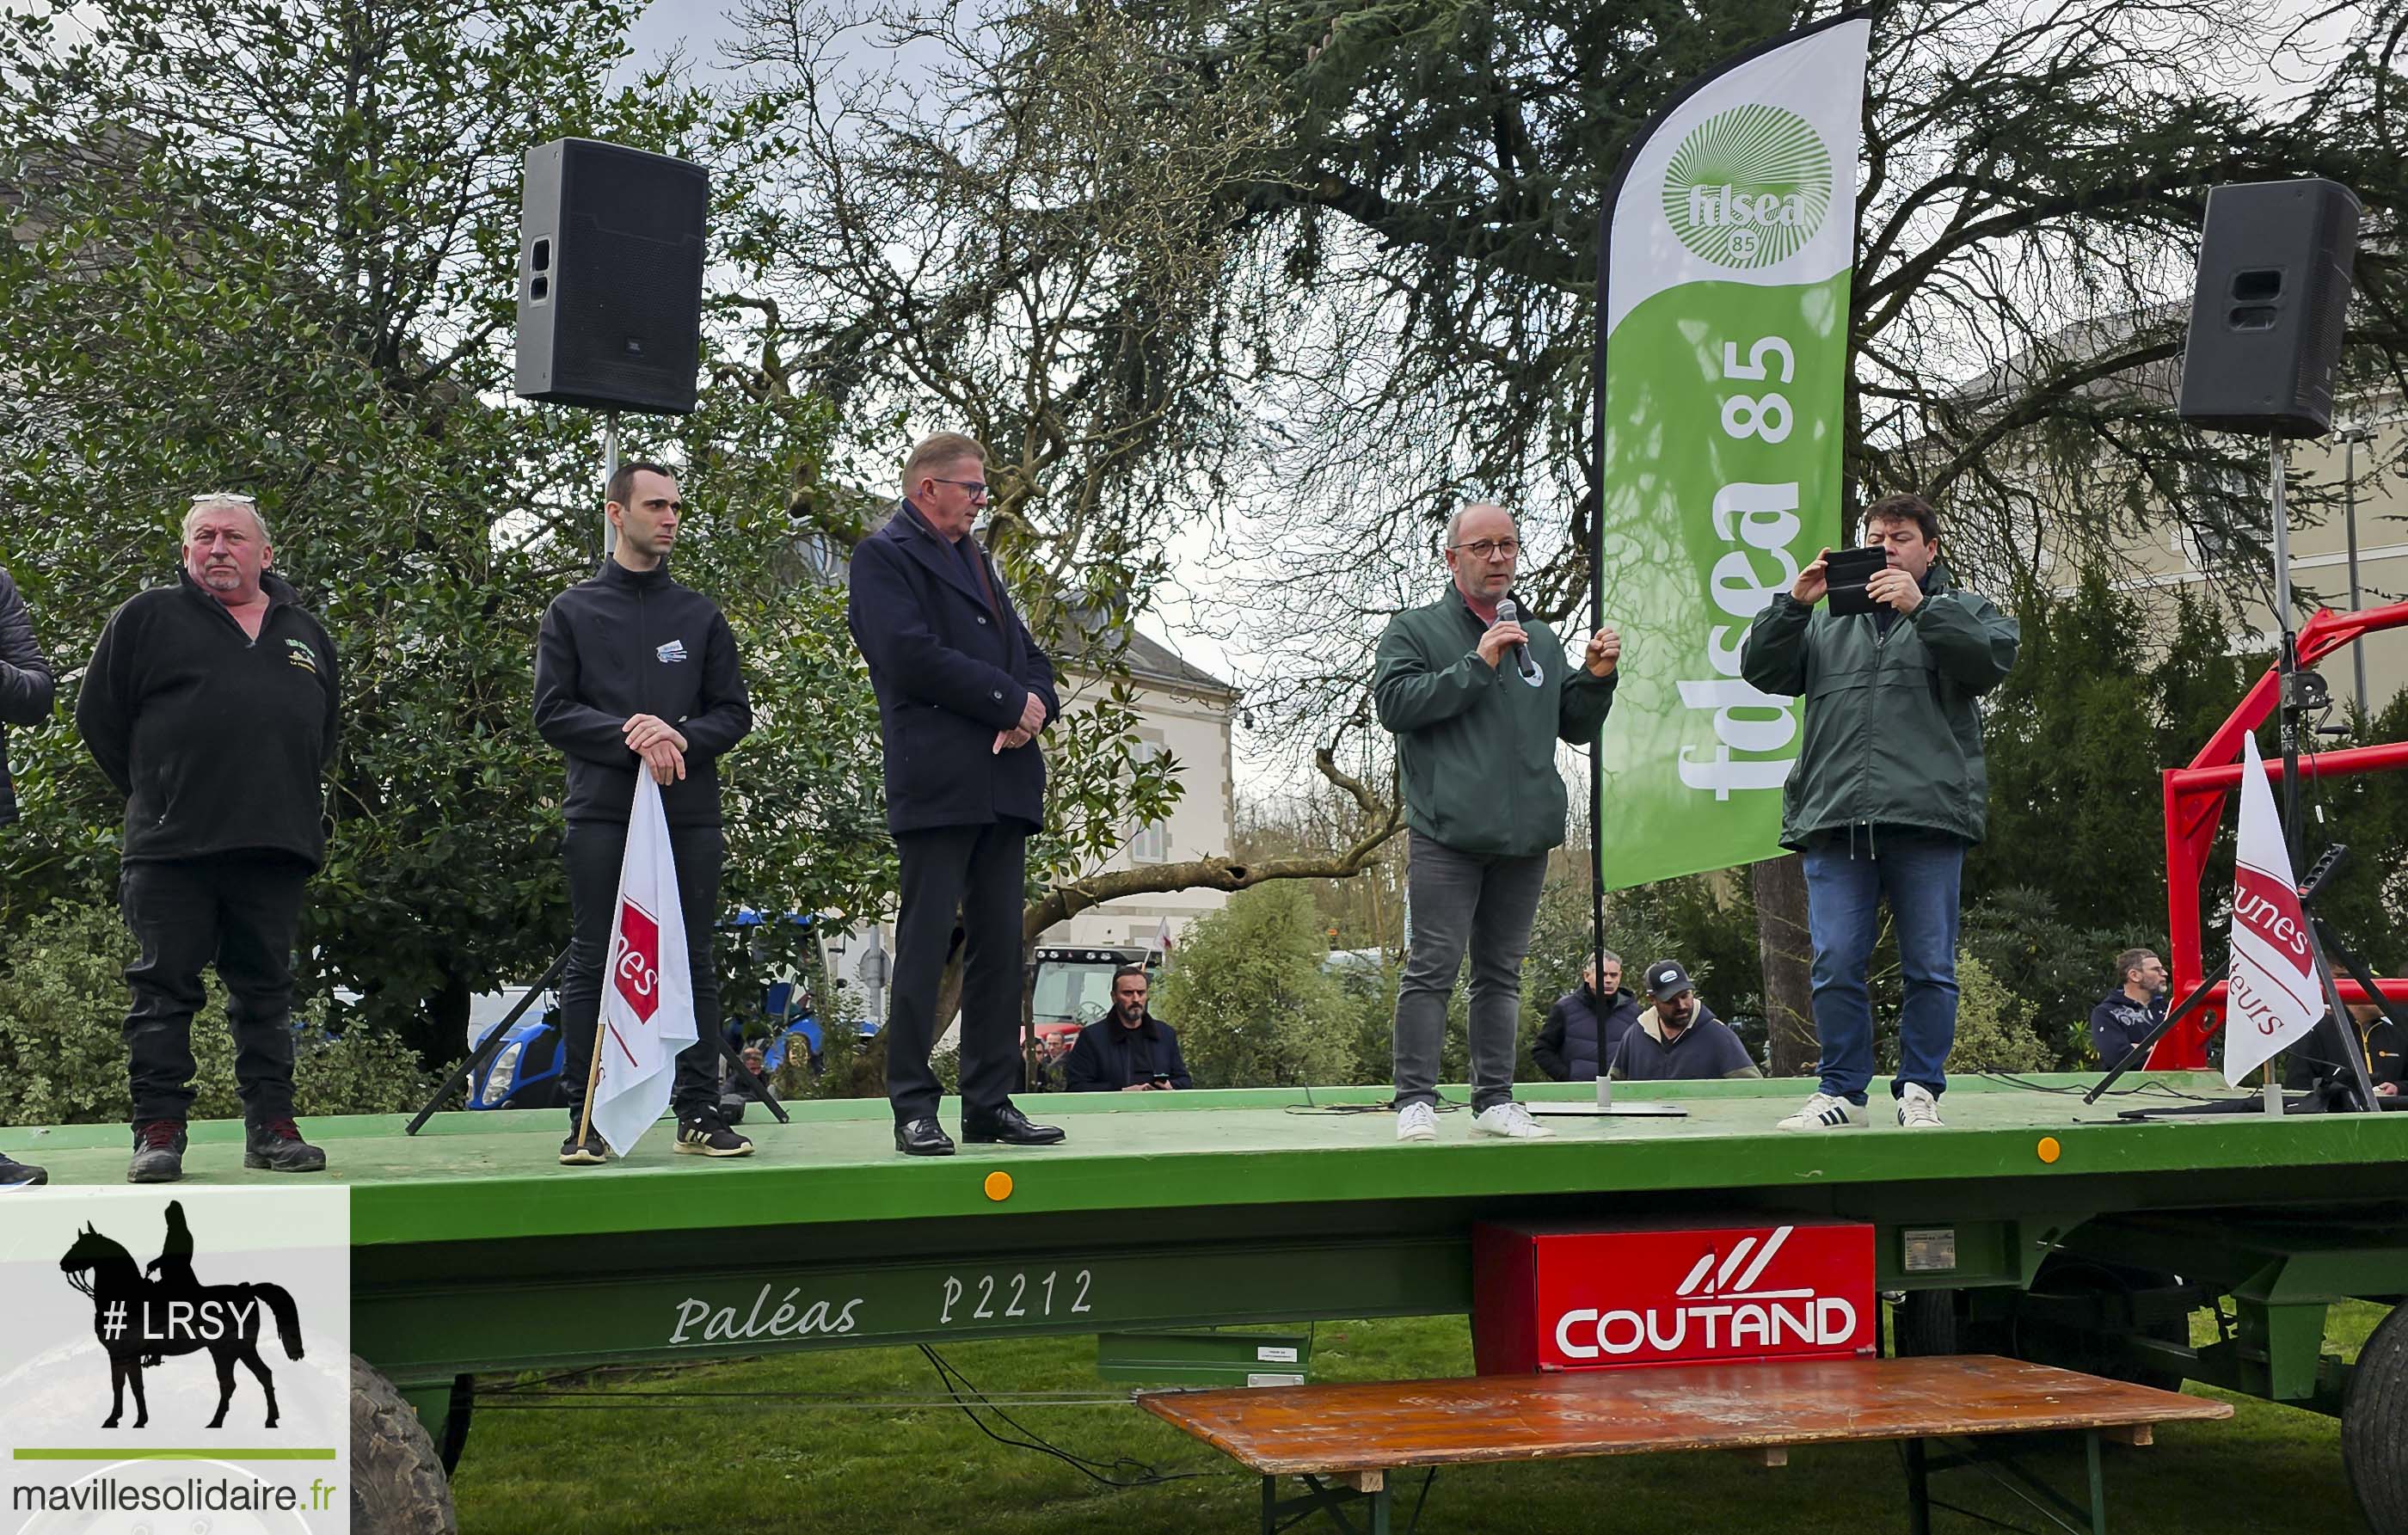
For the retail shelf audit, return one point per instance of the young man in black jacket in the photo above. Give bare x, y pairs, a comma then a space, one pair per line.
635, 672
1586, 1024
25, 693
212, 707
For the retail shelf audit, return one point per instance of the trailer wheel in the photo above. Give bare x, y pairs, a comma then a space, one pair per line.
2374, 1427
397, 1482
1923, 1324
2046, 1343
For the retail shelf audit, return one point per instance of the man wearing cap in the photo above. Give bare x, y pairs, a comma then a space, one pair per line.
211, 705
1678, 1039
1477, 694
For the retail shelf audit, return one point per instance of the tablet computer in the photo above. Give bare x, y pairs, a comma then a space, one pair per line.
1847, 570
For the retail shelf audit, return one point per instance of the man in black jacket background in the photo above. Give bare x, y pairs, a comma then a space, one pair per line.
1585, 1023
212, 704
963, 692
1129, 1050
26, 690
635, 672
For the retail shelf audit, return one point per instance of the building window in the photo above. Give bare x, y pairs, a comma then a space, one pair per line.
1151, 843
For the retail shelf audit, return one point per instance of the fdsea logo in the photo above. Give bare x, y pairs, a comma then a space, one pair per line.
1748, 187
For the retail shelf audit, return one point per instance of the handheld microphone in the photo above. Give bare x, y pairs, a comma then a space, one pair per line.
1508, 613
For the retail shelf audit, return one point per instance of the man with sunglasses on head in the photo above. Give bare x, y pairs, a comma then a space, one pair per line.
212, 707
1477, 700
963, 694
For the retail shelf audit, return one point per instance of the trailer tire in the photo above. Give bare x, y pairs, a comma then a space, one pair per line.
397, 1481
2069, 1349
2374, 1427
1923, 1324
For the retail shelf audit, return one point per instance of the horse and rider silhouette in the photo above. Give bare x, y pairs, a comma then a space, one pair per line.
141, 1316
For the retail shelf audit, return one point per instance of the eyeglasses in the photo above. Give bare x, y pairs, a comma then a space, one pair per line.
1491, 548
977, 488
224, 499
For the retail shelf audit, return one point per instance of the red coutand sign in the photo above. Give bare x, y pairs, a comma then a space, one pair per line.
1554, 1297
635, 960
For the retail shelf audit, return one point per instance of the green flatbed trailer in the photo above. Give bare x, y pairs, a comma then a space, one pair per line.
2032, 1224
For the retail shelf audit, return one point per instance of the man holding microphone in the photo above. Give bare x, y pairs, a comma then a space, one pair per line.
1477, 695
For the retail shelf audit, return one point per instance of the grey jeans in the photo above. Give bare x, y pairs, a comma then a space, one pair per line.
1455, 900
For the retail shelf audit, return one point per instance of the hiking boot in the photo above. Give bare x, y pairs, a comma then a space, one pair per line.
20, 1174
1510, 1121
158, 1152
1417, 1121
1917, 1109
591, 1151
1823, 1111
705, 1136
277, 1147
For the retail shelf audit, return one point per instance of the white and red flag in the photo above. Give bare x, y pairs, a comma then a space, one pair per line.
2275, 998
646, 990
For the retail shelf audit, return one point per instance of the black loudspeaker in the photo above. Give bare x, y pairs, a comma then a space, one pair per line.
611, 253
2266, 320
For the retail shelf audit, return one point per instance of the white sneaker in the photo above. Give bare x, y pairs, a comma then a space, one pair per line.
1917, 1109
1824, 1112
1510, 1120
1417, 1121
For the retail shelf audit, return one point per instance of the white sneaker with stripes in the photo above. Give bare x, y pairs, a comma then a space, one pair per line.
1510, 1120
1917, 1109
1824, 1112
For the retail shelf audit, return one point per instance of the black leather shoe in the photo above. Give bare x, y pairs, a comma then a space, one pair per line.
1007, 1127
13, 1174
923, 1138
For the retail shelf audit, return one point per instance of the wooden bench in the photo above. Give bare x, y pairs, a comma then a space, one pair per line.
1345, 1441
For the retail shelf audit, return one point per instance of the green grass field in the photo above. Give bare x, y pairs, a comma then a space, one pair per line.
843, 1442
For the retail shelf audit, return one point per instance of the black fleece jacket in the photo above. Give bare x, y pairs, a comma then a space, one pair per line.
626, 644
25, 684
220, 742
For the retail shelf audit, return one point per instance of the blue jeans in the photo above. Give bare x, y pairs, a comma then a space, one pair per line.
1846, 885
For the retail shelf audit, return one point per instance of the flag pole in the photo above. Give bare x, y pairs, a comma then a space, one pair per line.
592, 1080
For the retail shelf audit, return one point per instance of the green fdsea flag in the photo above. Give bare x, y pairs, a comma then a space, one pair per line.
1722, 360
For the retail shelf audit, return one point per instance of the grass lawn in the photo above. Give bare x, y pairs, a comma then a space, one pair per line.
808, 1455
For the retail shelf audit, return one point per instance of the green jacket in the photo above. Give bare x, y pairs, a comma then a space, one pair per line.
1477, 745
1893, 724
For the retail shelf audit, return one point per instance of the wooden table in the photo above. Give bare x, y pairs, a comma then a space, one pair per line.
1344, 1440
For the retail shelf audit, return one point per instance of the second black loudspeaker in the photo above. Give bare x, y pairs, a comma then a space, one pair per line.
611, 254
2266, 315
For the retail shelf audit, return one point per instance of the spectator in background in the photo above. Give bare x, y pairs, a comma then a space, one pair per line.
1129, 1050
1678, 1039
2309, 1064
1587, 1023
2124, 1016
26, 690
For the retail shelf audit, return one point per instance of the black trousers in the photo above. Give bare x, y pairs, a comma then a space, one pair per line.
240, 914
594, 850
979, 872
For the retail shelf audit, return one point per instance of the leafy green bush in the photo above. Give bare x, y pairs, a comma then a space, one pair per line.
1994, 1026
1251, 1003
63, 1054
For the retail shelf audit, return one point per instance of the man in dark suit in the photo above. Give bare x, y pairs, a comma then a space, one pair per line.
963, 692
